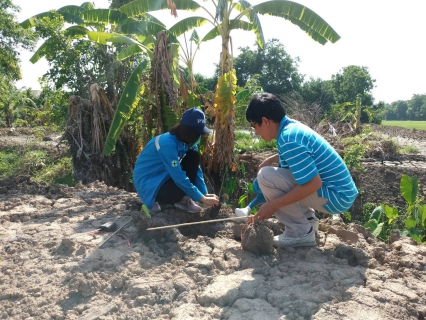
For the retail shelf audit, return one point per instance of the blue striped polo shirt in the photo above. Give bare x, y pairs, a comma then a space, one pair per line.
307, 154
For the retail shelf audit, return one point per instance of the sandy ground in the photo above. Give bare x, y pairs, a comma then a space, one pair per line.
53, 269
53, 266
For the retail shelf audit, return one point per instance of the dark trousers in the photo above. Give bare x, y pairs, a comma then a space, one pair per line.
169, 192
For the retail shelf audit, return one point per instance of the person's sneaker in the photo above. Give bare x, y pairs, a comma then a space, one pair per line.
335, 218
314, 221
188, 204
156, 208
242, 212
308, 240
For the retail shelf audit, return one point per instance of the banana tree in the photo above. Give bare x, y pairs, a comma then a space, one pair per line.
138, 32
227, 16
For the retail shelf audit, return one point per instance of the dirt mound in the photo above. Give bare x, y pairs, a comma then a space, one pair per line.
53, 269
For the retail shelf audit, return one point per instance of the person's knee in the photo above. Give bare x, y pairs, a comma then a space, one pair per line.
264, 174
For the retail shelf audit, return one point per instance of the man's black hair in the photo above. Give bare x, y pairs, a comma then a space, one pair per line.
265, 105
185, 134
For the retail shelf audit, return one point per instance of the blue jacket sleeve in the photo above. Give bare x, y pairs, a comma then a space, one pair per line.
169, 156
201, 185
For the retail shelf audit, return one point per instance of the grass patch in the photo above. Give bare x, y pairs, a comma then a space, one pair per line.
419, 125
409, 150
8, 163
246, 142
41, 165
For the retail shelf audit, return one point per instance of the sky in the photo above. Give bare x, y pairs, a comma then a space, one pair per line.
386, 36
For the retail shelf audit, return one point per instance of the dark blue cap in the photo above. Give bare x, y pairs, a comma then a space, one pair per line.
195, 119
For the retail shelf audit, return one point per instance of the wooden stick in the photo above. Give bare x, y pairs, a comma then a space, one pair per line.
192, 223
114, 233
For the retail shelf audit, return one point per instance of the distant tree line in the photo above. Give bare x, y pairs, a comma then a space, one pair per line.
413, 109
273, 70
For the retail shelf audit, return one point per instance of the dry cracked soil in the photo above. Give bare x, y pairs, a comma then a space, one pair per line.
54, 267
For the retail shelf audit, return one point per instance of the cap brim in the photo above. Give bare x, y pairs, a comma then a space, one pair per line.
206, 130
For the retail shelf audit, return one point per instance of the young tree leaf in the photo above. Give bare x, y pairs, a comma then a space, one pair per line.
377, 231
423, 215
409, 188
372, 224
391, 213
377, 213
410, 223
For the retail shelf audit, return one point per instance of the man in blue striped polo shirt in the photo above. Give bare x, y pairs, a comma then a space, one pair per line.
311, 174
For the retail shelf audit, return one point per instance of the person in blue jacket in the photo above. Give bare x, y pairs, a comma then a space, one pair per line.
168, 169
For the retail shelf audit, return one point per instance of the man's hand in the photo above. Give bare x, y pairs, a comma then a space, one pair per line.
266, 211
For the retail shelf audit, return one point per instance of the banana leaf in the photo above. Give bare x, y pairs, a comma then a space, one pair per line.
242, 95
126, 105
104, 37
129, 51
75, 32
221, 7
305, 18
254, 20
71, 14
233, 24
377, 213
132, 26
138, 7
187, 24
105, 16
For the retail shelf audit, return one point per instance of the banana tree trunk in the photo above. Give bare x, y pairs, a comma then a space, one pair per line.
358, 115
222, 153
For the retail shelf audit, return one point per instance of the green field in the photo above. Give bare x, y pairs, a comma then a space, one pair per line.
420, 125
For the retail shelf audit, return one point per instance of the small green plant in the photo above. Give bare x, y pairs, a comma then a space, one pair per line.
355, 148
412, 223
347, 216
353, 155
